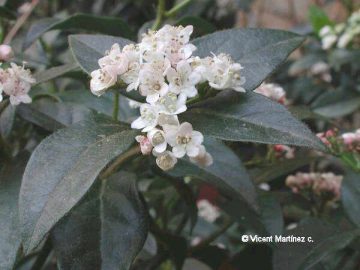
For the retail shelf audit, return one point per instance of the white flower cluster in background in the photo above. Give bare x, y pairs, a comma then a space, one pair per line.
161, 67
207, 210
272, 91
327, 184
16, 82
342, 35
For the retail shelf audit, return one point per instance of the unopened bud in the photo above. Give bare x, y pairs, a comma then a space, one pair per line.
6, 52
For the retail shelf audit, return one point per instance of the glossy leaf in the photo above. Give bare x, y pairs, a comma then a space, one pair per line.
350, 194
62, 169
106, 230
7, 118
327, 247
233, 180
88, 49
289, 256
250, 117
101, 24
259, 51
54, 72
10, 238
271, 213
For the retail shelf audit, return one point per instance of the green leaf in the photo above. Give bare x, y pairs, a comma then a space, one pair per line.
7, 13
249, 117
273, 171
106, 230
350, 196
201, 26
271, 213
318, 18
233, 180
10, 238
101, 24
7, 118
52, 115
54, 72
103, 105
289, 256
259, 51
61, 170
327, 247
336, 103
88, 49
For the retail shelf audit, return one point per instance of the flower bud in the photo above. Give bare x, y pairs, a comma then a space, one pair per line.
6, 52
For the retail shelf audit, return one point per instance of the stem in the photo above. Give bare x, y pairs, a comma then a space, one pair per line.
227, 224
159, 15
19, 23
116, 106
43, 255
119, 161
177, 8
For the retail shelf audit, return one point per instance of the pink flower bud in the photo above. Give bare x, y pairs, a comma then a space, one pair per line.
6, 52
145, 145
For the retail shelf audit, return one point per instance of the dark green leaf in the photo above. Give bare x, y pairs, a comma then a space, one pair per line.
61, 170
271, 213
350, 194
103, 105
259, 51
336, 103
54, 72
327, 247
289, 256
318, 18
250, 117
201, 26
273, 171
101, 24
7, 118
10, 238
88, 49
52, 115
233, 180
106, 230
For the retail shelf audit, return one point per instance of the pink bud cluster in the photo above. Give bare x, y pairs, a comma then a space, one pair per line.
321, 184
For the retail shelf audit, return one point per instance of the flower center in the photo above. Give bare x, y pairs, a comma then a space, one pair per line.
158, 138
183, 139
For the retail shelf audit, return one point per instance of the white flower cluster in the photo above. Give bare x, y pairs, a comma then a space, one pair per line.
161, 67
352, 140
16, 82
327, 184
342, 34
272, 91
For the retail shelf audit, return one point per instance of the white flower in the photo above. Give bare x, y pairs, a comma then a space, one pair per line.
115, 61
344, 40
172, 104
167, 119
157, 139
203, 159
145, 145
272, 91
134, 104
183, 139
207, 211
6, 52
131, 76
101, 80
148, 118
165, 160
16, 82
152, 84
223, 73
183, 79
